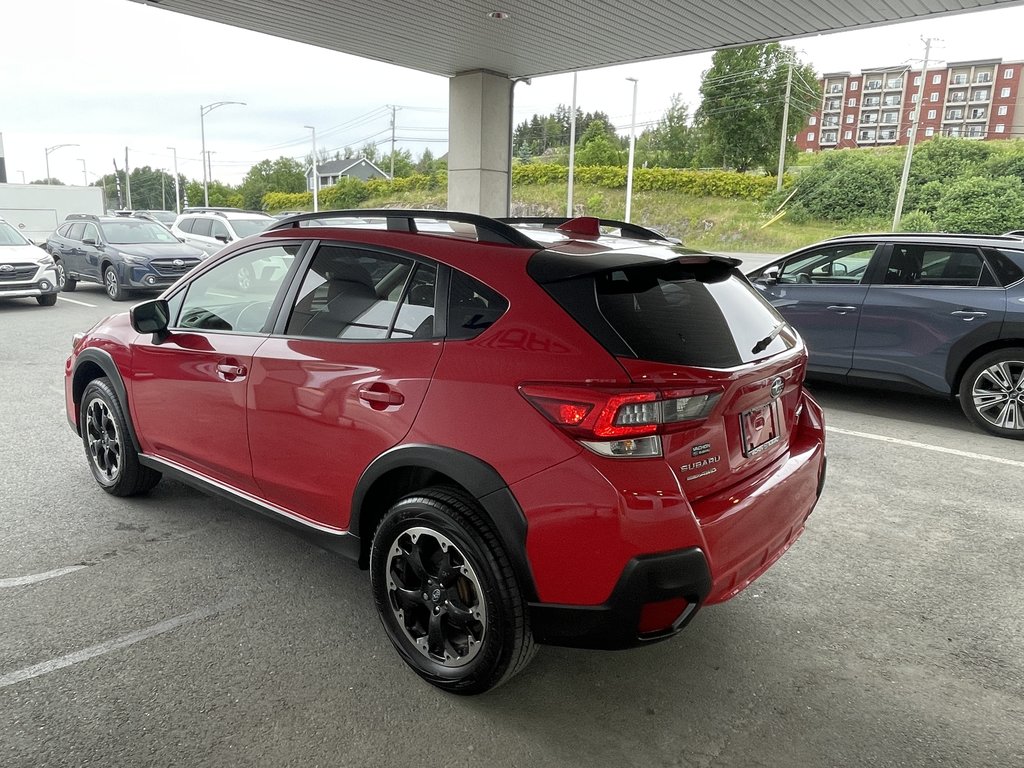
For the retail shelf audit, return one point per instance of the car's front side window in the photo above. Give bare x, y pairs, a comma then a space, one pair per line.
356, 293
238, 294
839, 265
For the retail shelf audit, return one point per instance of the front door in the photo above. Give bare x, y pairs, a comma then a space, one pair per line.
189, 391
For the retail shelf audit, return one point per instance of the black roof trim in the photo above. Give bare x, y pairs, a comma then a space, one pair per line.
889, 236
634, 231
404, 220
553, 265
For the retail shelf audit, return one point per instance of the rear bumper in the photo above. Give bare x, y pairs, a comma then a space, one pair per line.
614, 624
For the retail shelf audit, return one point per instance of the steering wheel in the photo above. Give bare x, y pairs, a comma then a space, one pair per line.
803, 277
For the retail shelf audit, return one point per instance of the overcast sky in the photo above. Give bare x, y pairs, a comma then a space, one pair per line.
110, 74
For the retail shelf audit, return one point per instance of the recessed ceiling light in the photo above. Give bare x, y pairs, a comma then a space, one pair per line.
499, 15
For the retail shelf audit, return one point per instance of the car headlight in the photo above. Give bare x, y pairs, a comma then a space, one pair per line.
45, 260
131, 259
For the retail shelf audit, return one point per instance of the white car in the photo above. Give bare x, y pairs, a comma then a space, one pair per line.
212, 228
26, 270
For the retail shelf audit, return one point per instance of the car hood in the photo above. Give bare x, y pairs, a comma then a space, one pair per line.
160, 250
10, 254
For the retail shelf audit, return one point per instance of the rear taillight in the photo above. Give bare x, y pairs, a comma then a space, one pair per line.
617, 422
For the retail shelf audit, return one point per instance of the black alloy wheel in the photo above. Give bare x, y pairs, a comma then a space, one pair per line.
108, 446
992, 392
446, 593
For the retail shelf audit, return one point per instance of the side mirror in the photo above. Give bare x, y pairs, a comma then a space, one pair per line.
151, 317
771, 275
222, 238
88, 241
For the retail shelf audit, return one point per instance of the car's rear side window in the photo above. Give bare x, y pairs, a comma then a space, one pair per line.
472, 306
1008, 264
186, 225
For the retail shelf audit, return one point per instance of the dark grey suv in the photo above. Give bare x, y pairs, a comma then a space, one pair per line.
122, 253
937, 313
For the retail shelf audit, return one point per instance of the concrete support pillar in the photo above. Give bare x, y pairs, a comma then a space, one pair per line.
479, 143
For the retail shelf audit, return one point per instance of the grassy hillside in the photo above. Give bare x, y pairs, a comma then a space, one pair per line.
710, 223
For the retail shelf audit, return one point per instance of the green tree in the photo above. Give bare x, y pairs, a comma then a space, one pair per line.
672, 142
282, 175
404, 165
598, 146
743, 95
52, 181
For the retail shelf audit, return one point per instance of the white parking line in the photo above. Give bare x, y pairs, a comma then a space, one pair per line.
19, 581
60, 662
927, 447
79, 303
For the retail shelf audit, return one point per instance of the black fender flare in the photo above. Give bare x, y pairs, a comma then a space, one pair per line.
105, 363
478, 477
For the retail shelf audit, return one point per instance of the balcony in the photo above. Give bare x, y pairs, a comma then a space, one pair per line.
873, 85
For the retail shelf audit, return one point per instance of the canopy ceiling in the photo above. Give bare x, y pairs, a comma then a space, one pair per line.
540, 37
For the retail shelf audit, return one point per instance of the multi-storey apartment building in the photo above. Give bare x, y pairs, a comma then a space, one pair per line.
975, 99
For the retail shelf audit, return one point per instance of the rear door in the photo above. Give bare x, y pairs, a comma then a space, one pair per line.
343, 377
821, 291
935, 299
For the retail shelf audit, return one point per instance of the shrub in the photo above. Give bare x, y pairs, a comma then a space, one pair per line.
917, 221
849, 184
981, 205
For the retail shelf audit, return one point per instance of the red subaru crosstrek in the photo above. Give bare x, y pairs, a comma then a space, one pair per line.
570, 432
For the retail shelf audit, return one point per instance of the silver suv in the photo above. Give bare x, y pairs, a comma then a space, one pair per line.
26, 270
212, 228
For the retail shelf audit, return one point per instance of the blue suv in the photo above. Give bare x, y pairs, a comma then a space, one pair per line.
938, 313
121, 253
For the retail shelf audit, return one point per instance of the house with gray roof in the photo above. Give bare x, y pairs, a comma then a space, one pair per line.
332, 170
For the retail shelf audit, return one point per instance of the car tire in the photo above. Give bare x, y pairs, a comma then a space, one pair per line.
64, 282
109, 449
992, 392
47, 299
112, 284
446, 593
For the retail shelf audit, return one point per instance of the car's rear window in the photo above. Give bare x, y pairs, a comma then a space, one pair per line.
1008, 265
695, 314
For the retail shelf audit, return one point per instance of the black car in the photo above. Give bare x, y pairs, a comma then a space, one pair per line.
936, 313
122, 253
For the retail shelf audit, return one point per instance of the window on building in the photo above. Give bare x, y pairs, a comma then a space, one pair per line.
894, 82
849, 118
1002, 110
853, 85
954, 114
835, 88
872, 101
873, 85
1000, 128
810, 135
913, 98
960, 79
848, 135
929, 131
934, 96
852, 103
983, 77
936, 79
829, 137
931, 114
975, 131
866, 136
917, 80
892, 101
812, 120
980, 95
1004, 92
977, 114
957, 96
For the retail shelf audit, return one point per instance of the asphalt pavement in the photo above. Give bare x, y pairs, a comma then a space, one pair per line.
179, 630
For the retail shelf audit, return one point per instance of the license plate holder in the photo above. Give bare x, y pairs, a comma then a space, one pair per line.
760, 428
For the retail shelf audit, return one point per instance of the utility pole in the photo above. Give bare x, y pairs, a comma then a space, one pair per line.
784, 140
85, 175
163, 190
177, 191
393, 109
914, 120
572, 149
316, 172
632, 151
127, 181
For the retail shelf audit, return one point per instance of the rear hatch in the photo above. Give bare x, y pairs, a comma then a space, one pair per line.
719, 371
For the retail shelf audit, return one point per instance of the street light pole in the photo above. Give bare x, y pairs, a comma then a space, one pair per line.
572, 150
177, 192
85, 173
54, 148
632, 150
316, 175
204, 110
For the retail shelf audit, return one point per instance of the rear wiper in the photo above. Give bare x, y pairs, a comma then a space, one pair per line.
762, 345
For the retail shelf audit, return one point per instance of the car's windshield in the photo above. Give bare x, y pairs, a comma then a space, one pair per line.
246, 227
141, 231
10, 236
164, 217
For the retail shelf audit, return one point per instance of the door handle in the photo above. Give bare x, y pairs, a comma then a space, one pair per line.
231, 372
841, 309
967, 315
380, 396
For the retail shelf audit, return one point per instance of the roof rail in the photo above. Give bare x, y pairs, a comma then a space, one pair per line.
219, 209
929, 235
404, 220
81, 216
634, 231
